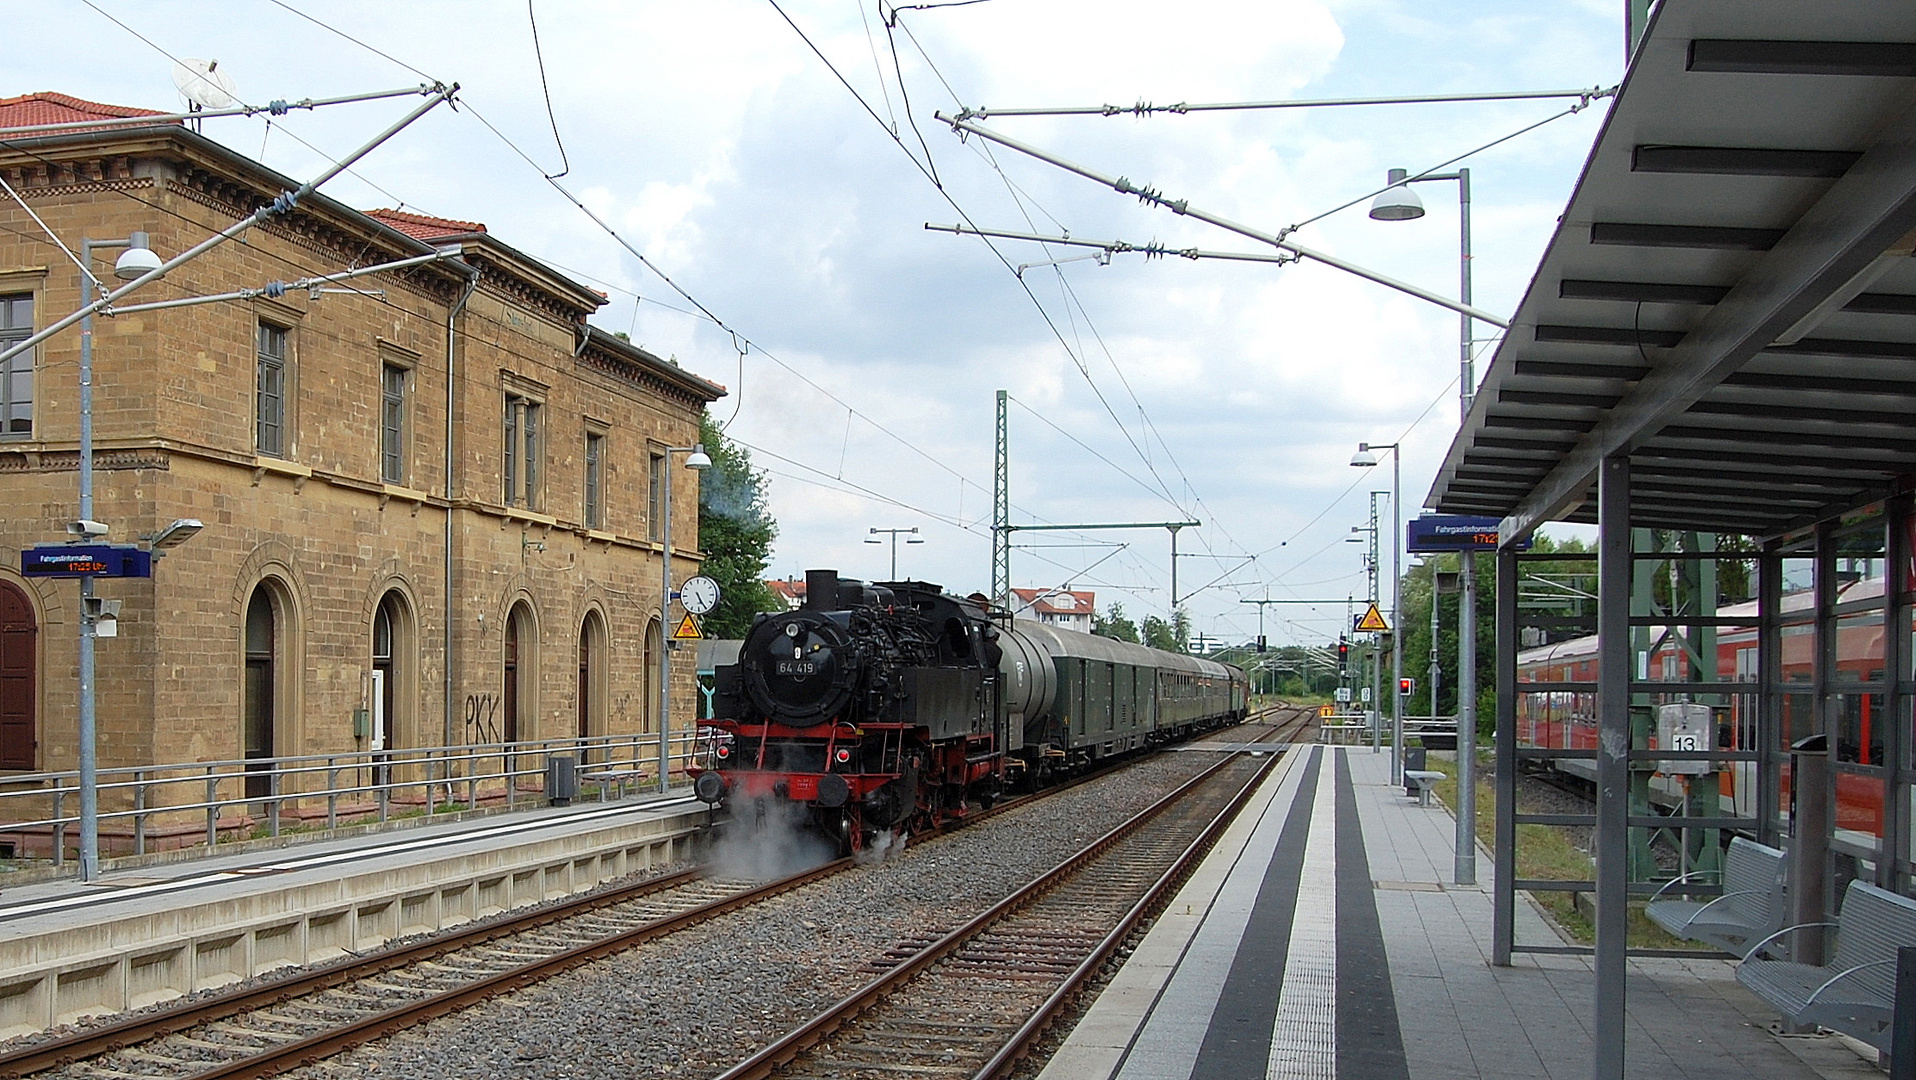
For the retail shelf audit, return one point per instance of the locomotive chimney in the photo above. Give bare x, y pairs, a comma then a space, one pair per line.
821, 590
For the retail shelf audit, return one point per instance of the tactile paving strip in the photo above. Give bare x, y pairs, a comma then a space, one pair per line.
1304, 1040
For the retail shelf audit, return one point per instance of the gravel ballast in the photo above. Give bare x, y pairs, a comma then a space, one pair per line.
695, 1003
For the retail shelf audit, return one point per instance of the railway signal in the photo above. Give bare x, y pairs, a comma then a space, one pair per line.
1407, 687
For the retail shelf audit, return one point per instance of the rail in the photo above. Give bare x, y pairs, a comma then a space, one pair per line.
188, 804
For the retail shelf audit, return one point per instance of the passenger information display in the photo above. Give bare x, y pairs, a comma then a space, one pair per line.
1453, 532
82, 560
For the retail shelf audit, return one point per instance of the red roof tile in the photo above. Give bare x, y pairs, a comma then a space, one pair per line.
47, 107
424, 226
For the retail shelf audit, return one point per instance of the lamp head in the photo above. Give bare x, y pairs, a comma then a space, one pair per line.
914, 540
1396, 202
1363, 459
137, 260
873, 540
177, 533
698, 459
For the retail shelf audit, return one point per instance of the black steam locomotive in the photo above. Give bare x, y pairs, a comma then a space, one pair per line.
890, 707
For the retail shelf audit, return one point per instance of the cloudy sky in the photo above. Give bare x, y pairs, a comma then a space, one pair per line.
713, 138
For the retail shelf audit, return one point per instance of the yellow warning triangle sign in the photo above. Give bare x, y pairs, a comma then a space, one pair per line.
688, 629
1372, 622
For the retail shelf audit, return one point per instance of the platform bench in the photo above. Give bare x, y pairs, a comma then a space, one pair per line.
605, 778
1855, 993
1750, 909
1423, 780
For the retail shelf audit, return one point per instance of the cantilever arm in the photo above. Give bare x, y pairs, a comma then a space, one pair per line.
1680, 879
1844, 975
1754, 949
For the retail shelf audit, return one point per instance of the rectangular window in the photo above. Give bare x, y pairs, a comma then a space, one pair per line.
655, 517
594, 480
392, 424
269, 426
16, 373
522, 452
512, 450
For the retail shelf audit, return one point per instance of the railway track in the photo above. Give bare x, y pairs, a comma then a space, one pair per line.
271, 1027
972, 1001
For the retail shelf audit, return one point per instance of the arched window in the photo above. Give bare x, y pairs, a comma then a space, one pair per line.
517, 700
259, 734
653, 647
592, 676
19, 664
380, 700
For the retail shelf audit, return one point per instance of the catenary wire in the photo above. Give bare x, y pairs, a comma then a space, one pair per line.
690, 299
565, 164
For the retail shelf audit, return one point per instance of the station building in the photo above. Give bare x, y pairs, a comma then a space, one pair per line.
432, 506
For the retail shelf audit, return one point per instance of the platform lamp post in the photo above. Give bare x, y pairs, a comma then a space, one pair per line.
1366, 458
1399, 203
911, 537
696, 459
134, 262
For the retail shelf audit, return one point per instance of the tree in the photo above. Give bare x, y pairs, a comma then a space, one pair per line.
1173, 635
736, 533
1114, 624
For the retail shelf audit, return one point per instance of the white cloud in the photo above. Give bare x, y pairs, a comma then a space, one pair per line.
716, 142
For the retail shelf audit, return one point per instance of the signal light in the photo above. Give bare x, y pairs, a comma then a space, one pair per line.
1260, 643
1406, 687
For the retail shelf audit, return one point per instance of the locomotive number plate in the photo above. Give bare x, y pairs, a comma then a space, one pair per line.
798, 667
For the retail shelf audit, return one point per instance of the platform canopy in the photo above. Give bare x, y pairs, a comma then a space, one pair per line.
1730, 298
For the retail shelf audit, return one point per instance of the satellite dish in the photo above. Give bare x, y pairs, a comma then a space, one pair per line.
203, 85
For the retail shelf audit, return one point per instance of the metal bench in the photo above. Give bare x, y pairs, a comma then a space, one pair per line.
1855, 993
1750, 909
1423, 780
606, 778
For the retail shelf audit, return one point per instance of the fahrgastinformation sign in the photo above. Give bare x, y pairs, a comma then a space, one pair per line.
86, 560
1433, 533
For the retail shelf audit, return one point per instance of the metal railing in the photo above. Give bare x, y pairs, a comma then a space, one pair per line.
246, 798
1349, 729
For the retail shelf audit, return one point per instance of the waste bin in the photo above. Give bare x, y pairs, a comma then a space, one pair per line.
1414, 761
562, 779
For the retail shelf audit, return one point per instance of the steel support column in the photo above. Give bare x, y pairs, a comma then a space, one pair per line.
1613, 763
1504, 890
1001, 511
1464, 866
1895, 702
1811, 779
1769, 699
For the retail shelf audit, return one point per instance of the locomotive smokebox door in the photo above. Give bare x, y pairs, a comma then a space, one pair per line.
1686, 727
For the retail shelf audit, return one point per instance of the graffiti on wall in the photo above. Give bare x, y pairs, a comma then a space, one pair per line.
482, 718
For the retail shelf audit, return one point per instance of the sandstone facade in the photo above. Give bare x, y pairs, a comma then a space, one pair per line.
410, 532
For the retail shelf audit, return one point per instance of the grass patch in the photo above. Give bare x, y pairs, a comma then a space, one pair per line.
1545, 854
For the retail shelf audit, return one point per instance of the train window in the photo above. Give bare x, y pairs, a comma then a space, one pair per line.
1799, 652
1859, 647
1860, 726
1799, 718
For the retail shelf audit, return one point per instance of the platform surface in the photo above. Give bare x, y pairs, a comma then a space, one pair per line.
1322, 938
128, 889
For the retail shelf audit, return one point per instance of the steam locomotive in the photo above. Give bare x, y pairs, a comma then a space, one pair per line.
886, 708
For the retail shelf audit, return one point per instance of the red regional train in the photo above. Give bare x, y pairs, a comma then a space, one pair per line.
1567, 718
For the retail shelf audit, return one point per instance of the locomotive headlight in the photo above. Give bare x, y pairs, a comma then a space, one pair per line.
843, 755
723, 752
